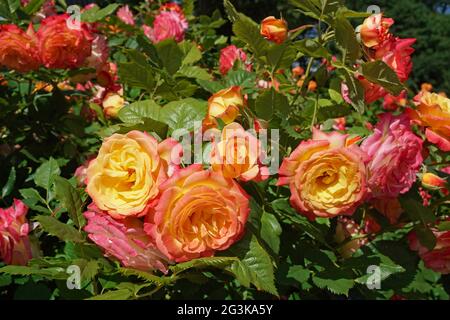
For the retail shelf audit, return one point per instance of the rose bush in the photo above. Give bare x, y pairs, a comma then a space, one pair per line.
169, 161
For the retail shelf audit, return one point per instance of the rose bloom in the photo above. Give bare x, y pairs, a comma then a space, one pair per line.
112, 104
225, 104
396, 53
238, 155
326, 176
15, 246
18, 49
375, 30
372, 91
124, 178
396, 156
125, 15
275, 30
392, 103
167, 24
199, 212
124, 240
437, 259
433, 112
229, 55
61, 47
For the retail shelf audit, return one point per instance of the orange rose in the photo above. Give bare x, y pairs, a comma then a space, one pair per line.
225, 104
275, 30
375, 29
112, 104
18, 49
124, 178
237, 155
62, 47
199, 212
434, 182
433, 112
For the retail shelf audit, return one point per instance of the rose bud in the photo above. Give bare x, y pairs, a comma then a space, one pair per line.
275, 30
225, 104
433, 182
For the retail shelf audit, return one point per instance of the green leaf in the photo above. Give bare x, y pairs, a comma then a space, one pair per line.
271, 231
417, 211
183, 114
281, 56
136, 75
191, 54
242, 78
33, 6
270, 101
308, 8
312, 48
31, 196
96, 14
380, 73
49, 273
170, 54
255, 265
13, 5
211, 86
426, 237
195, 72
58, 229
46, 173
444, 226
299, 273
121, 294
90, 270
202, 263
146, 276
356, 92
9, 185
71, 199
138, 111
346, 39
336, 281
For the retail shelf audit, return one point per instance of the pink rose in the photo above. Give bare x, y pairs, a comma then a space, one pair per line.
14, 243
126, 16
124, 240
396, 156
167, 24
61, 47
396, 53
437, 259
199, 212
228, 57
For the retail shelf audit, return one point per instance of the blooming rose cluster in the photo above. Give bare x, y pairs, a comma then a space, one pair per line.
55, 45
382, 45
147, 211
330, 175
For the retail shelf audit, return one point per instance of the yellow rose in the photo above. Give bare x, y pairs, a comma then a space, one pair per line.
112, 104
225, 104
326, 175
124, 178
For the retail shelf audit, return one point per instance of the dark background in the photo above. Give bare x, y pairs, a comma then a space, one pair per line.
426, 20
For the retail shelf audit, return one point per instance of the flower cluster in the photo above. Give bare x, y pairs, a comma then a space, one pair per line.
55, 45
